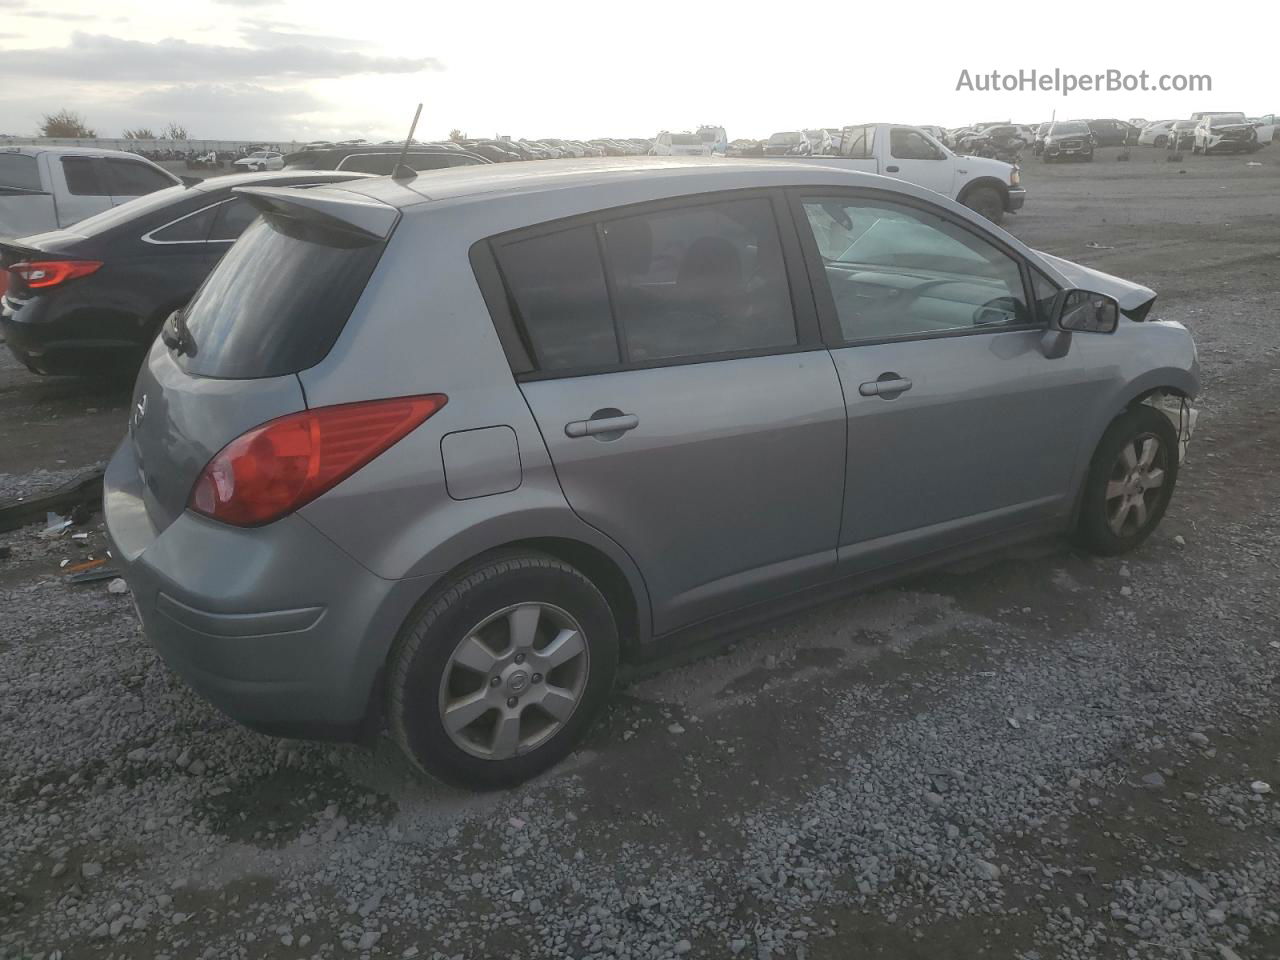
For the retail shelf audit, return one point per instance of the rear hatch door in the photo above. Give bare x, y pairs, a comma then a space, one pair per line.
229, 360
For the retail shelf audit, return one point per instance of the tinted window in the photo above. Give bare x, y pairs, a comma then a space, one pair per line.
857, 142
190, 229
132, 179
900, 272
558, 289
19, 170
83, 178
699, 281
233, 217
277, 301
908, 144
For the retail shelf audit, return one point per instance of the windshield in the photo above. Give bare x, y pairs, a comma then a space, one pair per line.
1043, 128
685, 139
1225, 121
19, 170
709, 134
1067, 128
783, 138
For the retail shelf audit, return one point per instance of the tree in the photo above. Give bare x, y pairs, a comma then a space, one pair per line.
175, 131
456, 135
65, 123
141, 133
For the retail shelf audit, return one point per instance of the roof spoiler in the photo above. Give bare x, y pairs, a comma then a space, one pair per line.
339, 209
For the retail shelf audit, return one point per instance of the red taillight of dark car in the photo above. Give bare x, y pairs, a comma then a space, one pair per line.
279, 466
42, 274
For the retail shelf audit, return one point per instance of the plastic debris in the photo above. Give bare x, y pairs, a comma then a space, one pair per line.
95, 575
55, 526
1260, 787
117, 586
1095, 245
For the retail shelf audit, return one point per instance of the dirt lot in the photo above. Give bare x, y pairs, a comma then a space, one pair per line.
1040, 755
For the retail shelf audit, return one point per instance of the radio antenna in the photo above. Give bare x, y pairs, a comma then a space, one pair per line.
402, 171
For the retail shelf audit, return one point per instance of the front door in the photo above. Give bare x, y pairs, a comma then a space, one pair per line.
959, 425
687, 413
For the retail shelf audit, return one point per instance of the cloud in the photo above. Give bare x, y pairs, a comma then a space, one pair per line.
247, 3
200, 102
102, 58
276, 33
55, 15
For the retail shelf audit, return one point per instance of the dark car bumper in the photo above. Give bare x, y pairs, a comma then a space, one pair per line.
1068, 149
82, 342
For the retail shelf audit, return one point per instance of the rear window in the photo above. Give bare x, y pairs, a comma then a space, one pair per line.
20, 171
277, 301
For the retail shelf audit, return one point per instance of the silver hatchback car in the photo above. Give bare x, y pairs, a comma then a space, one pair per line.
436, 453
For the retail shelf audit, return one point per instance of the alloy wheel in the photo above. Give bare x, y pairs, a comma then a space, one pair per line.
514, 681
1133, 488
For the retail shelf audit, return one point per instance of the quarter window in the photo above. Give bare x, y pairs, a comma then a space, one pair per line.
83, 177
857, 142
557, 285
699, 281
897, 272
190, 229
233, 217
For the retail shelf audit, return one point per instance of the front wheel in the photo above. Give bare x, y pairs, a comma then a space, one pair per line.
1130, 481
500, 674
986, 202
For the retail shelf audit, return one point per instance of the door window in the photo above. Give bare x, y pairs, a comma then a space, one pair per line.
83, 177
193, 228
699, 281
897, 272
132, 179
556, 283
908, 144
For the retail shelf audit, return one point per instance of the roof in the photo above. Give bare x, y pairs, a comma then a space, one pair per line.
267, 179
31, 149
630, 179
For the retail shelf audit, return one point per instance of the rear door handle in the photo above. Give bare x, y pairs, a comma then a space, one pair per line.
598, 426
888, 387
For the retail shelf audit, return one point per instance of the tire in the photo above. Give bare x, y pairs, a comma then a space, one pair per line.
1109, 527
476, 618
1161, 141
986, 202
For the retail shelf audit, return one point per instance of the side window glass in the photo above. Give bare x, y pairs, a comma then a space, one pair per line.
377, 163
131, 179
902, 272
908, 144
232, 219
557, 288
699, 281
193, 228
1045, 291
83, 177
858, 142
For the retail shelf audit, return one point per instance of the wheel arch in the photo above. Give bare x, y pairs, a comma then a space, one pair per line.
1000, 187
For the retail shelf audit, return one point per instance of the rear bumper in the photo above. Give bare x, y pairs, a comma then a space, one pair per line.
275, 626
88, 345
1014, 198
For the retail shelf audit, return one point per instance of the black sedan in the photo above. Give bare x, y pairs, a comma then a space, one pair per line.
90, 299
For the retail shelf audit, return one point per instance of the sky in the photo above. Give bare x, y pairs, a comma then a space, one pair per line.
283, 70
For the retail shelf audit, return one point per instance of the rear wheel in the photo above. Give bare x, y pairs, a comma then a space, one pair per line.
986, 202
1130, 481
1161, 141
500, 674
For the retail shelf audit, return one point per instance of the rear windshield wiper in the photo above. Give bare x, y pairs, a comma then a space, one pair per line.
176, 336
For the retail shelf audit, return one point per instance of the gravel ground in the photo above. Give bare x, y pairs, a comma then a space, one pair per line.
1040, 755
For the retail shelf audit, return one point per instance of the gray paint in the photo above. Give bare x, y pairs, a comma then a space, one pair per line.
742, 480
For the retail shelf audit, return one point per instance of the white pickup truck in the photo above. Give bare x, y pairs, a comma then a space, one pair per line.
48, 188
989, 187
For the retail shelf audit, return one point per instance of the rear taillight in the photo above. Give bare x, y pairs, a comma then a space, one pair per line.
278, 467
41, 274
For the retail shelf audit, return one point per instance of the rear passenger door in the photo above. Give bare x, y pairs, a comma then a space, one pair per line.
684, 395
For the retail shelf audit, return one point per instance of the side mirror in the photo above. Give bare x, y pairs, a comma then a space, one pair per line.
1080, 310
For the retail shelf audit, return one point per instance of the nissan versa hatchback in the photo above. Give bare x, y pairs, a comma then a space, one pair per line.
434, 454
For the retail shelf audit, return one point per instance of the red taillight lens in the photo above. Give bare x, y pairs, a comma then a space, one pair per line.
276, 468
39, 274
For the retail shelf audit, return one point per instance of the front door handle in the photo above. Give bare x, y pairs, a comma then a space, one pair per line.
614, 422
888, 386
893, 169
